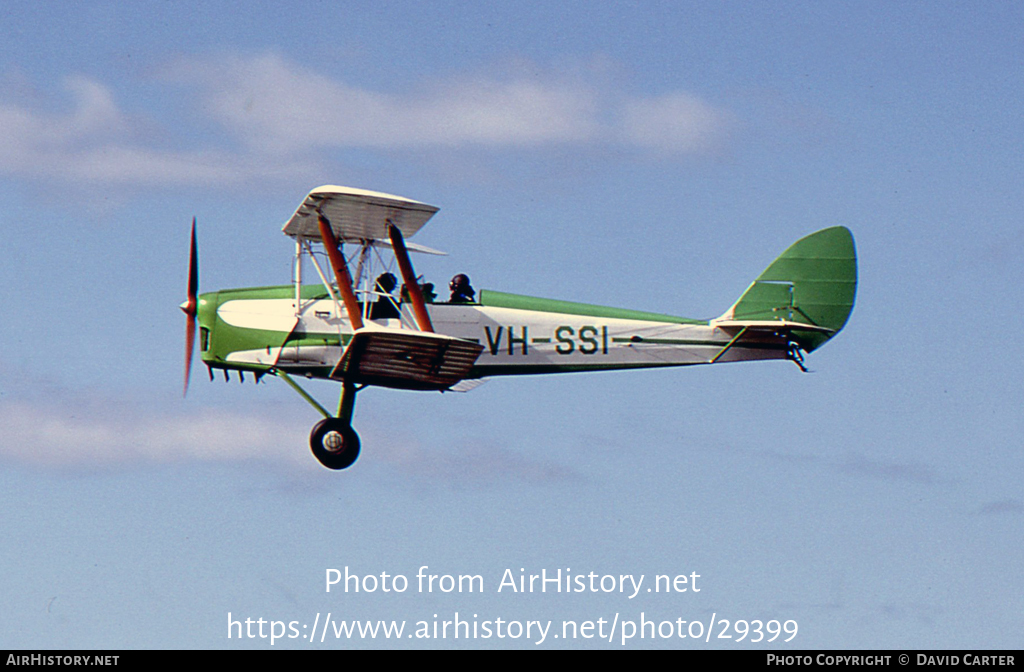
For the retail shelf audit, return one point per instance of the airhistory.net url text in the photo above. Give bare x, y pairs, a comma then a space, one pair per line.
536, 631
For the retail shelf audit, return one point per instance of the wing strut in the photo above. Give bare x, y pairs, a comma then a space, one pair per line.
419, 307
728, 345
340, 272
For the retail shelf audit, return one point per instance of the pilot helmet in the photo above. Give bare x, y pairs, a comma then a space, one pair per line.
386, 282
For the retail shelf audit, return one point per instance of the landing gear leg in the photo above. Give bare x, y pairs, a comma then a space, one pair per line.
333, 441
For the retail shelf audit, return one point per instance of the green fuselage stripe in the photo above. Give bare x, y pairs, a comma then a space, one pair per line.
491, 298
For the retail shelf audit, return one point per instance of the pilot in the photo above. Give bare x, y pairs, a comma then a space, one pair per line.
462, 291
384, 307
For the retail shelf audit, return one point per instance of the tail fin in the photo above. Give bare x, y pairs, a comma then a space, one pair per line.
813, 282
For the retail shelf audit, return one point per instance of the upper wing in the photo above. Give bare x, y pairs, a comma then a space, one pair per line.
357, 214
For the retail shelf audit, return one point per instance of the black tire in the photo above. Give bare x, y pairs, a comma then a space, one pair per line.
334, 443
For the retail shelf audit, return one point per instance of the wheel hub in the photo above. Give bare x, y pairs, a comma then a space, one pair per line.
334, 442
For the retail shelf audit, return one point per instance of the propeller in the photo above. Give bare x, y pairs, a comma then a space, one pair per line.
191, 306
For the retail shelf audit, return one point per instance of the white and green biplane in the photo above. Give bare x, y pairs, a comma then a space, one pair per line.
349, 328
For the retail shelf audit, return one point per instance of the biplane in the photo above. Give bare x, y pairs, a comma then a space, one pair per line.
348, 326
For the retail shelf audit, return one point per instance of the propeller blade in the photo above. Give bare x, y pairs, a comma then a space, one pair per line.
191, 306
190, 341
193, 268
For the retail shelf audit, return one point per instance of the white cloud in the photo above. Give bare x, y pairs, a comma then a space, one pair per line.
74, 433
280, 107
273, 119
675, 123
40, 436
96, 143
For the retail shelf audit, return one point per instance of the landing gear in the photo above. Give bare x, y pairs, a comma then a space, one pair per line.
334, 443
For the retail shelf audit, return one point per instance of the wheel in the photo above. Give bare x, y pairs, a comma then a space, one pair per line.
334, 443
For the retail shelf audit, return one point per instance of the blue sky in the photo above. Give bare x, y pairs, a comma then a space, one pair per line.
636, 154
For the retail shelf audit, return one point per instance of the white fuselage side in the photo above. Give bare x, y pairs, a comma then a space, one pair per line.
515, 341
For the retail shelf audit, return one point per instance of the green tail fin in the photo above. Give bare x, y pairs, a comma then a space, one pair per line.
814, 282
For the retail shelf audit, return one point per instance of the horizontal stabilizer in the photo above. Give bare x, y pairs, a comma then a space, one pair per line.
769, 325
408, 360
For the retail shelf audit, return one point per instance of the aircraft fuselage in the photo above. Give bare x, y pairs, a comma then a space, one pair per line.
260, 329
